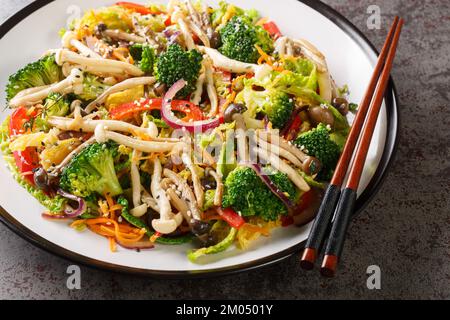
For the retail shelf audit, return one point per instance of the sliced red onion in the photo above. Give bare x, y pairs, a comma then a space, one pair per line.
170, 118
140, 245
73, 213
269, 183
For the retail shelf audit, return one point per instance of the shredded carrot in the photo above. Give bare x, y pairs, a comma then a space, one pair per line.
129, 238
264, 56
112, 244
154, 237
229, 101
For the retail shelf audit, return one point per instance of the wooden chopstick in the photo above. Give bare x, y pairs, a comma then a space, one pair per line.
331, 196
348, 198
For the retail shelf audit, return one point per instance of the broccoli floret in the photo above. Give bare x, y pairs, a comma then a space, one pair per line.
56, 105
239, 37
279, 108
248, 195
277, 105
92, 87
92, 171
317, 143
43, 72
176, 64
144, 56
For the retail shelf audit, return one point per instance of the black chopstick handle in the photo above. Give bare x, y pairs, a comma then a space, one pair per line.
320, 226
338, 232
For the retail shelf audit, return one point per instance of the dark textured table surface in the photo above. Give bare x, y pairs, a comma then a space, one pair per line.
405, 230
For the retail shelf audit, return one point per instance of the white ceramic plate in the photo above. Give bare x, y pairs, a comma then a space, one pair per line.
350, 56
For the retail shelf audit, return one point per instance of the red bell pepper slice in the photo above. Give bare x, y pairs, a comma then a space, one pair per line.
231, 217
136, 8
272, 28
127, 110
293, 129
28, 159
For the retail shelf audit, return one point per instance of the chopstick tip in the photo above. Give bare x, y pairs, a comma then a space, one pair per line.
329, 266
308, 258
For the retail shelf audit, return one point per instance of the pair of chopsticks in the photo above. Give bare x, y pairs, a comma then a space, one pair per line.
341, 203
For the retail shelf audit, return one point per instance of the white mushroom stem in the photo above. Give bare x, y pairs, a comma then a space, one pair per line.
279, 151
198, 190
195, 16
176, 201
124, 85
149, 200
241, 138
222, 62
312, 53
167, 222
103, 135
70, 40
186, 192
280, 45
210, 88
135, 178
73, 83
64, 55
101, 71
29, 91
121, 35
89, 125
283, 167
199, 33
70, 156
277, 140
179, 18
219, 189
197, 94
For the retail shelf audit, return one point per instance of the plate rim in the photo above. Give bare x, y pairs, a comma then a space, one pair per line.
389, 150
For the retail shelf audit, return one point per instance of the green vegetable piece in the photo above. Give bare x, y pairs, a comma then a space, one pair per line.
92, 171
318, 144
248, 195
92, 87
56, 105
176, 64
43, 72
209, 199
220, 247
239, 38
144, 56
55, 204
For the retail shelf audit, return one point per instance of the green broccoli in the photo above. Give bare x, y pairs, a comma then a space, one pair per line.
247, 194
317, 143
43, 72
92, 171
176, 64
239, 38
92, 87
144, 56
56, 105
277, 105
279, 108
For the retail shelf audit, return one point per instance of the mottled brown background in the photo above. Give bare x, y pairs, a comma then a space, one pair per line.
404, 230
